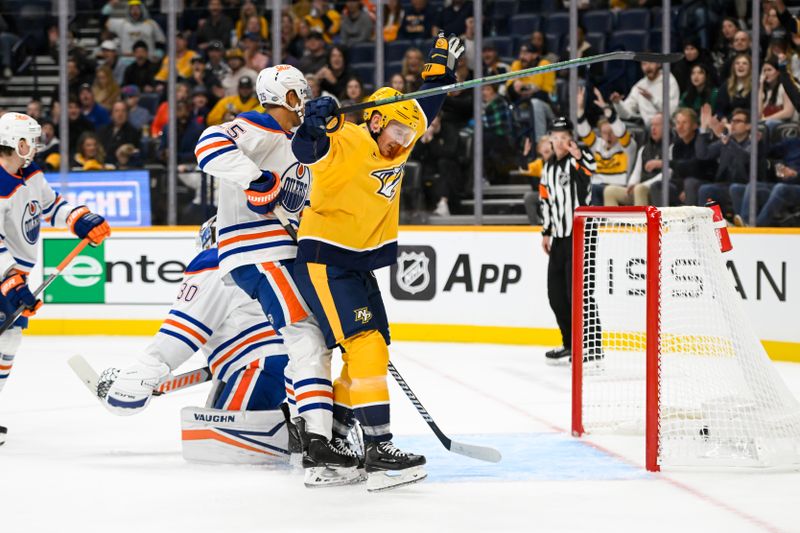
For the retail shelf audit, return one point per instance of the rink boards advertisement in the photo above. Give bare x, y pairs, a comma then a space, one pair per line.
461, 284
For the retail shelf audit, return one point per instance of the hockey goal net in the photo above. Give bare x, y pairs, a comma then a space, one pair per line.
661, 345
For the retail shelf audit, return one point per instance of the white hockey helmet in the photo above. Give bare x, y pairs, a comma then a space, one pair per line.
207, 236
16, 126
274, 83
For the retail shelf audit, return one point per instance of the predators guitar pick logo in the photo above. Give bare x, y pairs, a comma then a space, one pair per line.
363, 315
389, 179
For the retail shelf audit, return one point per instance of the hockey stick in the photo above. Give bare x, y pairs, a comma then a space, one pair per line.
90, 378
649, 57
482, 453
61, 266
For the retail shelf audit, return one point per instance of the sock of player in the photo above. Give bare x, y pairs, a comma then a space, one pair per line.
367, 359
343, 416
9, 343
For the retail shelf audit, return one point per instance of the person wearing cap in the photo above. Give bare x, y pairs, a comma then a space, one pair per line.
109, 54
90, 109
183, 65
120, 131
536, 89
138, 116
142, 71
217, 26
202, 77
230, 83
200, 105
253, 57
137, 26
230, 106
693, 55
316, 55
492, 65
565, 184
216, 60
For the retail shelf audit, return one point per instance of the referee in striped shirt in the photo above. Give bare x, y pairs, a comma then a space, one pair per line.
565, 185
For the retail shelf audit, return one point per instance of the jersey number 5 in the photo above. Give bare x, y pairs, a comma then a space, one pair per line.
234, 131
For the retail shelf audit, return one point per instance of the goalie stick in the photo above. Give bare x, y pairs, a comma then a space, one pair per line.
482, 453
90, 378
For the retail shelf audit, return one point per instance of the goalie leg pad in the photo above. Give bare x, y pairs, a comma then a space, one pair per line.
9, 344
259, 386
234, 437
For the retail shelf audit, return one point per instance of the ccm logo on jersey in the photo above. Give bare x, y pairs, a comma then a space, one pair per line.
31, 221
390, 179
296, 184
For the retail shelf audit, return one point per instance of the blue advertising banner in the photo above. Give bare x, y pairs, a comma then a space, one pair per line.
121, 196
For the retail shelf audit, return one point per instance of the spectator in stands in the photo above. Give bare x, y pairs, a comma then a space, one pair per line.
437, 152
142, 71
735, 91
201, 77
105, 88
419, 20
118, 132
723, 48
646, 171
457, 107
109, 55
700, 91
138, 116
216, 64
75, 78
94, 112
333, 76
770, 23
7, 42
324, 19
593, 73
536, 89
89, 154
687, 171
316, 56
412, 69
397, 82
492, 65
357, 25
775, 108
250, 9
137, 26
49, 142
741, 45
200, 105
354, 90
533, 168
731, 153
230, 106
254, 58
296, 45
647, 95
774, 201
498, 146
115, 9
183, 64
781, 50
126, 157
614, 150
34, 109
162, 113
217, 26
188, 133
693, 55
78, 124
393, 16
453, 18
468, 40
316, 91
238, 71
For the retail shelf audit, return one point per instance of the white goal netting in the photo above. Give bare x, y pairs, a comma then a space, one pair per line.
720, 400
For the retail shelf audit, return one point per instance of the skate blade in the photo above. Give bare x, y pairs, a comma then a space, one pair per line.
324, 476
392, 479
563, 361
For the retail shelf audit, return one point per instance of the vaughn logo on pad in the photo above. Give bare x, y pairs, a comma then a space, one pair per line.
413, 277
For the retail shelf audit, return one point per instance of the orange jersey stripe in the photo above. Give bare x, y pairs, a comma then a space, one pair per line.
211, 145
186, 329
261, 235
311, 394
241, 389
4, 367
259, 126
207, 434
296, 311
256, 337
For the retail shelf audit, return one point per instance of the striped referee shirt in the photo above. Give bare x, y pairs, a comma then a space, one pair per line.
565, 185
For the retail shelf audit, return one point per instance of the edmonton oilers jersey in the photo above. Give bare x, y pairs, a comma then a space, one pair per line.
25, 200
237, 152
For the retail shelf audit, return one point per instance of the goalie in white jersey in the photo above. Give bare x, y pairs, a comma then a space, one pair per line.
246, 358
26, 198
252, 156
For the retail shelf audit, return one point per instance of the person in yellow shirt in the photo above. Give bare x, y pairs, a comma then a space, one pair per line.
350, 229
324, 19
227, 108
184, 63
537, 89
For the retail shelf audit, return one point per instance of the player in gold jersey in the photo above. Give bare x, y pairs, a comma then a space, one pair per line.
350, 229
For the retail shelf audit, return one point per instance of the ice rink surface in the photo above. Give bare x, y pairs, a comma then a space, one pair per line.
69, 465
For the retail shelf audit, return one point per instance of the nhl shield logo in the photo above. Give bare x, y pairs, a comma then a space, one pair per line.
413, 277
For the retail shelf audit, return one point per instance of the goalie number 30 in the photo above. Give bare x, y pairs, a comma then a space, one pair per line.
187, 292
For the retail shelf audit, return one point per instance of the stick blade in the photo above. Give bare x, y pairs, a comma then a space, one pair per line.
481, 453
653, 57
85, 372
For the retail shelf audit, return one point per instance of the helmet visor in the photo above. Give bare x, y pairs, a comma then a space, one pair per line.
399, 133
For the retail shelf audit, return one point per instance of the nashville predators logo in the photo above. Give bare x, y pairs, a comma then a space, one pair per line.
390, 179
363, 315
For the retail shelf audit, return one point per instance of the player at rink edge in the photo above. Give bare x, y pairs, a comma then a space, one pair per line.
26, 198
246, 358
252, 156
350, 229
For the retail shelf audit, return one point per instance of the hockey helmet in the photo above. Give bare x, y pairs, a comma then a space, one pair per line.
274, 83
406, 113
17, 126
207, 236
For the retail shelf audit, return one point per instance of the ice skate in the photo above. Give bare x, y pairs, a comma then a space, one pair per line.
388, 467
558, 357
3, 433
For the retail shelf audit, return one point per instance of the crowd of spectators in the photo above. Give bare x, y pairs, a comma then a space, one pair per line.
118, 112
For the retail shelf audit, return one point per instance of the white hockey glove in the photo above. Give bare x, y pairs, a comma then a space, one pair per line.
128, 391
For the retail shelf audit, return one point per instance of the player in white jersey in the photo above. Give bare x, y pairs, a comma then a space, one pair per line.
245, 355
26, 198
252, 156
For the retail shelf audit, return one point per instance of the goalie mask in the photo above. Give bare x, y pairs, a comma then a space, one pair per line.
15, 127
207, 236
274, 83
